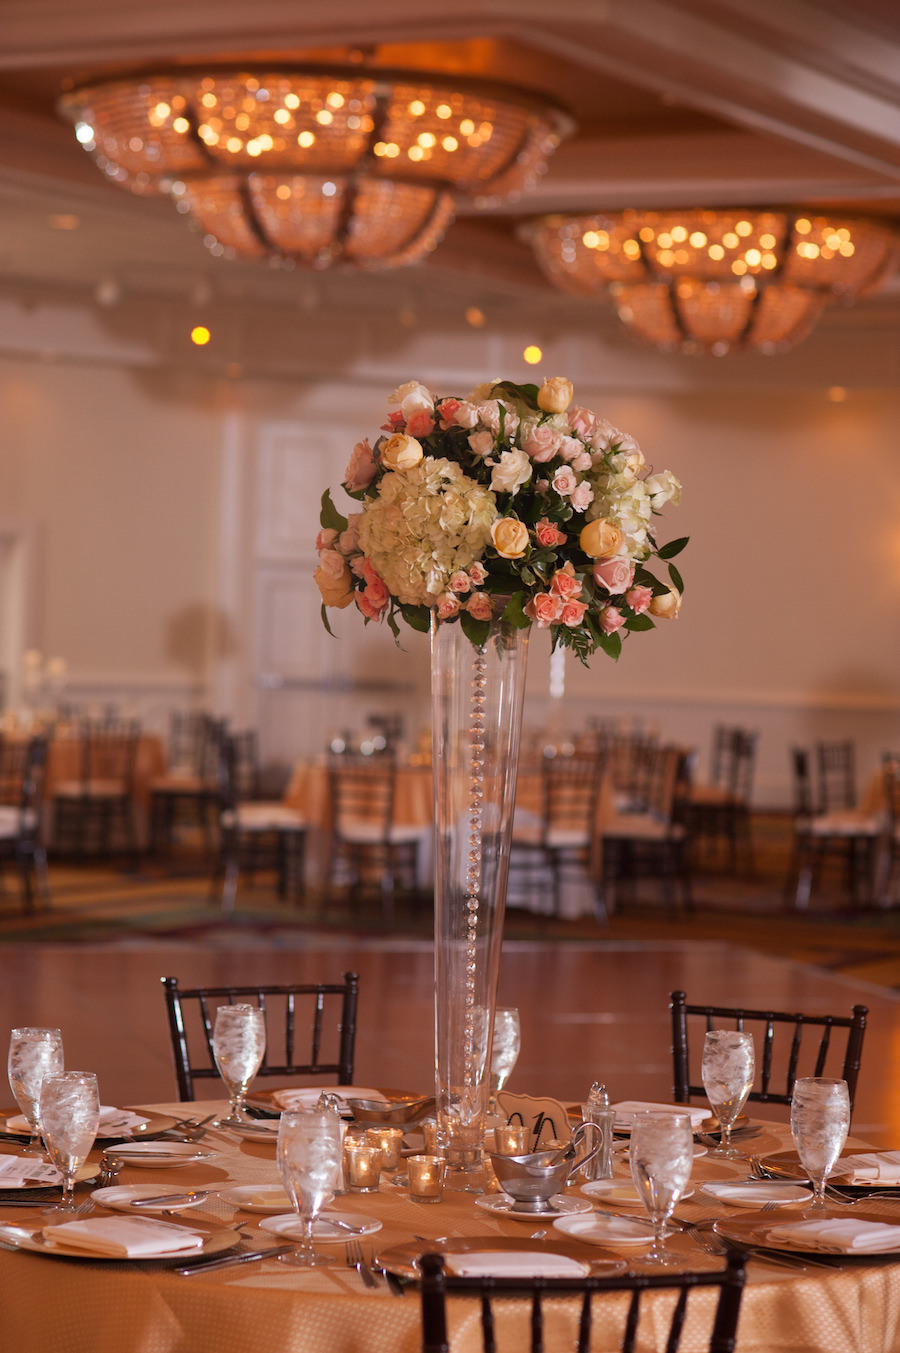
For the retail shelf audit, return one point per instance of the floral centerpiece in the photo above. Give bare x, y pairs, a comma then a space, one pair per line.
506, 503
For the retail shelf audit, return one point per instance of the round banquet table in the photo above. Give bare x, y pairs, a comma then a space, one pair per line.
58, 1305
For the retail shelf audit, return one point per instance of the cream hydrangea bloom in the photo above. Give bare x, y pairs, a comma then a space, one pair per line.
423, 526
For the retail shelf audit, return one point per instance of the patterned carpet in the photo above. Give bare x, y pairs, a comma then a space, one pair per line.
101, 903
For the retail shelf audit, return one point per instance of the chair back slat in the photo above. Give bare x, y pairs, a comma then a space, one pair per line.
678, 1318
770, 1020
631, 1324
338, 999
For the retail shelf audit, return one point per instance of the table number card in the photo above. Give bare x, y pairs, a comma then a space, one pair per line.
545, 1118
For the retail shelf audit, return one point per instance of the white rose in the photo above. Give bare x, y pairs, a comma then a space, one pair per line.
511, 471
663, 488
412, 397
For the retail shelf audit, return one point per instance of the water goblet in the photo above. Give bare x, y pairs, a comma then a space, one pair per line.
33, 1054
505, 1044
661, 1157
239, 1045
70, 1117
727, 1069
820, 1121
309, 1154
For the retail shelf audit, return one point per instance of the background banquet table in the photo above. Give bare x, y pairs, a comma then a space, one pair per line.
89, 1306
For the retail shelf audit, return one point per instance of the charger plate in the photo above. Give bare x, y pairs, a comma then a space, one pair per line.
787, 1163
17, 1238
755, 1231
265, 1101
403, 1260
155, 1124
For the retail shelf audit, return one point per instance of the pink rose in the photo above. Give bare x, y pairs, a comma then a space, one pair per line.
572, 612
477, 572
419, 424
582, 496
448, 606
583, 422
569, 448
548, 533
460, 582
611, 620
348, 541
369, 610
564, 481
332, 563
638, 598
479, 606
582, 462
481, 443
543, 609
361, 470
395, 421
446, 410
325, 539
614, 574
542, 443
565, 585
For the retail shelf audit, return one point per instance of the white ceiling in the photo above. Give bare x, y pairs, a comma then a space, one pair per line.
676, 102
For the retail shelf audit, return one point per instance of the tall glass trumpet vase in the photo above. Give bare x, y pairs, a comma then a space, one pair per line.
476, 694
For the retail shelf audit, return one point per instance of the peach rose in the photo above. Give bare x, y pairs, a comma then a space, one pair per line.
667, 605
460, 582
614, 574
509, 537
611, 619
477, 571
600, 538
564, 584
419, 424
401, 452
479, 606
447, 606
326, 538
543, 609
362, 468
572, 612
335, 591
638, 598
555, 394
548, 533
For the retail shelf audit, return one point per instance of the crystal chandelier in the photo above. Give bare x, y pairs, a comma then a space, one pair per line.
716, 281
316, 164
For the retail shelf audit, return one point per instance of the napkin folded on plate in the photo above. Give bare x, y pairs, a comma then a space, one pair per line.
17, 1172
111, 1120
514, 1264
627, 1108
306, 1098
123, 1237
873, 1167
839, 1234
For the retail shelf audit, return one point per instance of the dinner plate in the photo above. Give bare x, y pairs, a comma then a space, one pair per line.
619, 1191
757, 1231
756, 1195
243, 1196
597, 1228
148, 1156
269, 1100
504, 1206
788, 1163
264, 1130
403, 1260
119, 1197
324, 1229
17, 1125
18, 1238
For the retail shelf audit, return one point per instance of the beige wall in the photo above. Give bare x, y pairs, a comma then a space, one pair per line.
162, 579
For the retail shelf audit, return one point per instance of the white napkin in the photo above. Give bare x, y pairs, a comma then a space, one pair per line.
755, 1195
306, 1099
514, 1264
875, 1166
627, 1108
839, 1234
123, 1237
111, 1120
18, 1172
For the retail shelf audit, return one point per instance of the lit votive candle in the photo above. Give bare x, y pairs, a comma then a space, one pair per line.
363, 1164
426, 1178
511, 1140
390, 1139
432, 1134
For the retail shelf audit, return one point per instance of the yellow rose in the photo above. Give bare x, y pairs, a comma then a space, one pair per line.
401, 452
336, 591
600, 538
667, 605
555, 394
509, 537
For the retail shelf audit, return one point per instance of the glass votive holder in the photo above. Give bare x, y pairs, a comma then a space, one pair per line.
511, 1140
431, 1131
363, 1167
390, 1140
426, 1178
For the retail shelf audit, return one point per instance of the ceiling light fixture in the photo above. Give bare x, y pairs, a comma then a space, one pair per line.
316, 164
716, 281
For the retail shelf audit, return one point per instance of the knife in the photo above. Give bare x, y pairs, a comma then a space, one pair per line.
169, 1199
228, 1260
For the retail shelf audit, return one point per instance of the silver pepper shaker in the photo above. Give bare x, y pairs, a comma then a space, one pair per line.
597, 1111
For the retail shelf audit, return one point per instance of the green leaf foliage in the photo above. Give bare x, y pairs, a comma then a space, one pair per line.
611, 645
476, 631
639, 622
325, 620
674, 547
417, 617
676, 578
329, 517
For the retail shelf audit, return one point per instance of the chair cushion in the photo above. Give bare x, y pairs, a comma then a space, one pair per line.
642, 827
90, 789
12, 820
363, 832
264, 816
179, 784
847, 824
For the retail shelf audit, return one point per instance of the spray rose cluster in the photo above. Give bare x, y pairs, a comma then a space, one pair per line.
509, 502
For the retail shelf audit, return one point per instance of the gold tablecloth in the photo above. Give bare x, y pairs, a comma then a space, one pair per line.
87, 1306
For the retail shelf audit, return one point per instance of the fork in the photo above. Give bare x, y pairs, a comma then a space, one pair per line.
354, 1259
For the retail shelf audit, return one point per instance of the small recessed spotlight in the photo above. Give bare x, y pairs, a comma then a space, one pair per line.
837, 394
200, 335
532, 354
